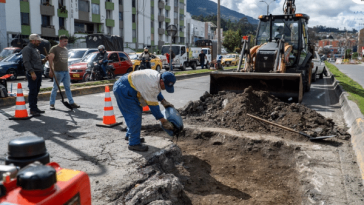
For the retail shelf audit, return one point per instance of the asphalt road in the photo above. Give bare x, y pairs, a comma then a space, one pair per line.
355, 72
46, 82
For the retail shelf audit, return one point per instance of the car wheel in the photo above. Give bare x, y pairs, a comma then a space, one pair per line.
129, 70
183, 67
193, 66
110, 74
322, 74
158, 68
15, 74
136, 68
86, 77
208, 65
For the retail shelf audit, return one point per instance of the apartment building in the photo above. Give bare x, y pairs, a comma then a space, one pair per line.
140, 22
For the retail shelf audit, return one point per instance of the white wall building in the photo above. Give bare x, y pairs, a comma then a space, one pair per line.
141, 22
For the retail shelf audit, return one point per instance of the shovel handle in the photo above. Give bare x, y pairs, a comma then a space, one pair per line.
272, 123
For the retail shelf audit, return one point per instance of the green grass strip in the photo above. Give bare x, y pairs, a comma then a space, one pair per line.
354, 89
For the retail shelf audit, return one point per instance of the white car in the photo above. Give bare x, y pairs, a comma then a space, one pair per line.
318, 68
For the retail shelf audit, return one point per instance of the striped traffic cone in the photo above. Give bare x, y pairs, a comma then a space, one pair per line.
109, 117
21, 112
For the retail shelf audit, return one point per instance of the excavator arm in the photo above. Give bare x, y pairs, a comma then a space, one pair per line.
289, 7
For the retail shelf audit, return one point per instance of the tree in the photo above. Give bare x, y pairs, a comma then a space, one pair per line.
231, 40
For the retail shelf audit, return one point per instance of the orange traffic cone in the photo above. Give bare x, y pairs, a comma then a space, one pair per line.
146, 108
109, 117
21, 112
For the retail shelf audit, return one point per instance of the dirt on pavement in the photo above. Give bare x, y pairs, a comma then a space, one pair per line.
228, 110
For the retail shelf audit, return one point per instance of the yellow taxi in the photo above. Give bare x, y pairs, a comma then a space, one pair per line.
230, 60
155, 62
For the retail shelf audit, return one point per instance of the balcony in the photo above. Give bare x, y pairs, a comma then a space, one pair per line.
83, 15
110, 22
96, 18
160, 18
48, 31
181, 11
152, 17
160, 43
152, 30
24, 7
47, 10
25, 29
182, 1
182, 23
181, 34
152, 3
62, 14
133, 26
62, 32
161, 5
167, 7
168, 20
160, 31
95, 1
109, 5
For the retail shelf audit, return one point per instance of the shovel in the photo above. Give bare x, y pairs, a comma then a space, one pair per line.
65, 103
289, 129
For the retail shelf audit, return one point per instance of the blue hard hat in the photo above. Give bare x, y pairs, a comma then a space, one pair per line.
169, 80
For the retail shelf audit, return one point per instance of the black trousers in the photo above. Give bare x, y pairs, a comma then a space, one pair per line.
34, 87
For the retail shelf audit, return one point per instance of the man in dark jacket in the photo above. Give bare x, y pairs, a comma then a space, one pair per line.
34, 69
146, 55
102, 58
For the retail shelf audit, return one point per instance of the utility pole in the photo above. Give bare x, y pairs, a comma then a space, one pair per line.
218, 29
137, 24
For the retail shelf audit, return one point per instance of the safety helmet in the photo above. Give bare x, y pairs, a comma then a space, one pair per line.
101, 47
145, 48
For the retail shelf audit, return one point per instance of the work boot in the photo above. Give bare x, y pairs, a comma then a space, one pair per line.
34, 113
74, 105
40, 111
52, 107
139, 147
142, 140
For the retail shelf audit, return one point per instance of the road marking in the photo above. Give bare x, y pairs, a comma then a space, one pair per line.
320, 95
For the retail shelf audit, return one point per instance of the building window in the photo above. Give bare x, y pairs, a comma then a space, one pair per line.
167, 2
95, 9
152, 24
134, 33
120, 2
181, 40
181, 16
160, 12
176, 15
152, 10
61, 3
109, 14
46, 21
160, 25
121, 32
120, 16
166, 24
133, 18
24, 18
84, 6
175, 3
167, 13
62, 23
79, 27
181, 28
109, 30
181, 5
45, 2
133, 3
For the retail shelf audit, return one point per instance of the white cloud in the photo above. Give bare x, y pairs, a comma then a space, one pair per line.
330, 13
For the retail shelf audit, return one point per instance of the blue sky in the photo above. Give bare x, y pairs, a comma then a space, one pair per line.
330, 13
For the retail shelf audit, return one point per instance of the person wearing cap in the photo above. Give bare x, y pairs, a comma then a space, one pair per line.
34, 69
146, 55
136, 90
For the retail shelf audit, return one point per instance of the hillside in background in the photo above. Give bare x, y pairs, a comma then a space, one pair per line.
207, 7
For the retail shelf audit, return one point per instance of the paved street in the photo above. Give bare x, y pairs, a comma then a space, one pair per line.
355, 72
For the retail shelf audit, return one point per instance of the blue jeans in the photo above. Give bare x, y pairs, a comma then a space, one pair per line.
34, 87
129, 106
62, 77
202, 64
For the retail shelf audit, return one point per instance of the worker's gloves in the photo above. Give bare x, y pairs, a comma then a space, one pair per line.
167, 125
166, 104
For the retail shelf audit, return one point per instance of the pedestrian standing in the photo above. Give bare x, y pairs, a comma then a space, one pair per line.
202, 57
59, 55
139, 89
34, 69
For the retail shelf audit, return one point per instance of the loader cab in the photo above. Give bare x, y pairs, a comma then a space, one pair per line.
293, 27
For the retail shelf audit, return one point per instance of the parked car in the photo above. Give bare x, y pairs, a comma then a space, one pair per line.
74, 56
120, 61
230, 60
8, 51
318, 68
13, 64
155, 62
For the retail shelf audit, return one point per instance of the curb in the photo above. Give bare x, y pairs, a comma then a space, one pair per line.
45, 96
354, 120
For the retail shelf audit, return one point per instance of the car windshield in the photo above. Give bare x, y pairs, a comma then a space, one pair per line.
133, 57
5, 53
228, 56
76, 53
175, 49
89, 58
12, 58
279, 26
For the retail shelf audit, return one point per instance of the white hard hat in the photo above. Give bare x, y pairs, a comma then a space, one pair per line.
101, 47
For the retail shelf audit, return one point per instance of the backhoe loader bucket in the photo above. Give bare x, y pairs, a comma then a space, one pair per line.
281, 85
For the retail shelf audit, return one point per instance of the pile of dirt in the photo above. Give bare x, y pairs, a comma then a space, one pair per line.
229, 110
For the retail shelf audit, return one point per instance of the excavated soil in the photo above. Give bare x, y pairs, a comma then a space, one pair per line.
221, 169
229, 110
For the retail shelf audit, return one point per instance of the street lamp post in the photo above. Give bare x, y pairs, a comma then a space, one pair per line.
267, 5
172, 30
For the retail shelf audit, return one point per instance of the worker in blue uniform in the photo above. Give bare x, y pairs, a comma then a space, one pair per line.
136, 90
